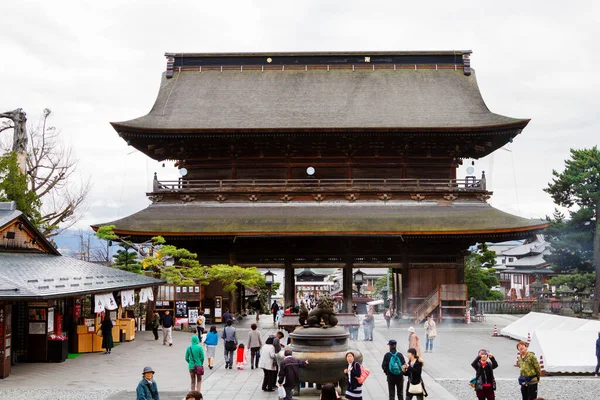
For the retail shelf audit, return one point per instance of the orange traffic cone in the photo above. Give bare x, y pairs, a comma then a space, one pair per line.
528, 338
495, 334
542, 367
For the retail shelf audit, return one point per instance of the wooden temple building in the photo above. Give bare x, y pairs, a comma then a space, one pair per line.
321, 160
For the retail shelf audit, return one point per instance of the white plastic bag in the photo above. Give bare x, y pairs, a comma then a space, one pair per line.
281, 392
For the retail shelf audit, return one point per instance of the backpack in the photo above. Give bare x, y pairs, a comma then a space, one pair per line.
364, 374
395, 364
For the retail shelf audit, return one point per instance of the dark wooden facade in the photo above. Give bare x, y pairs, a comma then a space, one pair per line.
383, 134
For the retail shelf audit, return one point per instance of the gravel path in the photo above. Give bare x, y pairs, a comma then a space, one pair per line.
549, 388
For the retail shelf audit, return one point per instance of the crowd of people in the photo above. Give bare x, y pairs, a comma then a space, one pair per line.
283, 374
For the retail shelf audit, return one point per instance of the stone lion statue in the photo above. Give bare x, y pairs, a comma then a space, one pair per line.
323, 312
303, 314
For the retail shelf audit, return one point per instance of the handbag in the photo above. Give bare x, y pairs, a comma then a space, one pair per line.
230, 345
281, 392
364, 374
198, 369
99, 333
479, 384
415, 389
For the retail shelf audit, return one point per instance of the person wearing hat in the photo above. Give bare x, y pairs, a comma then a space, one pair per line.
392, 368
413, 341
147, 389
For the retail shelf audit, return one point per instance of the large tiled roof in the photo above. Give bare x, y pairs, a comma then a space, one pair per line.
44, 276
244, 99
393, 217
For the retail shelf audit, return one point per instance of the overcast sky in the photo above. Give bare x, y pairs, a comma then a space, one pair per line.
101, 61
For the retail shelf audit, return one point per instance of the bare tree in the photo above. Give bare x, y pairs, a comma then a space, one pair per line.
17, 122
52, 176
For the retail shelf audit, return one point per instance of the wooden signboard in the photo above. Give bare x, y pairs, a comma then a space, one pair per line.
5, 339
218, 308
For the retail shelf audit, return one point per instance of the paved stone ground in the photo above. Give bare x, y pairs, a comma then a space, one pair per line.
447, 369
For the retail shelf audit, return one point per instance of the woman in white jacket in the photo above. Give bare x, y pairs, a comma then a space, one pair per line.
268, 362
430, 333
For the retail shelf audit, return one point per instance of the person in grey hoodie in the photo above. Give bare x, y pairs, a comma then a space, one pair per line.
230, 341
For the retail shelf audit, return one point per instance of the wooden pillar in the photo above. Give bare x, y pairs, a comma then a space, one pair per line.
404, 282
395, 291
460, 265
289, 286
347, 285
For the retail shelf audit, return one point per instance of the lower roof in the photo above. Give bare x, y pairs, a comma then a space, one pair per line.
46, 276
369, 218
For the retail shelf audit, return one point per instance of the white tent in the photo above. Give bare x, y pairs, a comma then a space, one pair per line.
520, 328
538, 321
589, 326
567, 344
564, 351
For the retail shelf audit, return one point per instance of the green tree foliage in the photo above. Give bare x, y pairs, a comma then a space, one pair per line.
580, 281
579, 185
571, 241
380, 284
13, 187
231, 276
106, 232
181, 267
480, 277
127, 261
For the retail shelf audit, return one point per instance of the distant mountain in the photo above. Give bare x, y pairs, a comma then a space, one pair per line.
72, 242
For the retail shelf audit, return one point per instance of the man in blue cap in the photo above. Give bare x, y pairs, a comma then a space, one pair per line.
147, 389
392, 367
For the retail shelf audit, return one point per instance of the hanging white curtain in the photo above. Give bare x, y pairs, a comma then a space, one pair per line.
99, 303
146, 294
109, 302
127, 298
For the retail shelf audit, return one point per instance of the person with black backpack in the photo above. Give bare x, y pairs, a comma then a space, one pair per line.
392, 367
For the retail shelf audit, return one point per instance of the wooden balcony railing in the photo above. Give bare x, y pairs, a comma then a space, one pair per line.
185, 185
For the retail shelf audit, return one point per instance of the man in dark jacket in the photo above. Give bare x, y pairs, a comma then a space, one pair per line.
155, 324
227, 316
289, 372
394, 377
167, 323
274, 309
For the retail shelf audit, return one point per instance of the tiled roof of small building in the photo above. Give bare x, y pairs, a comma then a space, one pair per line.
45, 276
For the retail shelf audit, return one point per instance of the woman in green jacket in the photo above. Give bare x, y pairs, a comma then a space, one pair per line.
194, 356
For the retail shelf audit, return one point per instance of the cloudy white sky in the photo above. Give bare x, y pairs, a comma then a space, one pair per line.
96, 62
